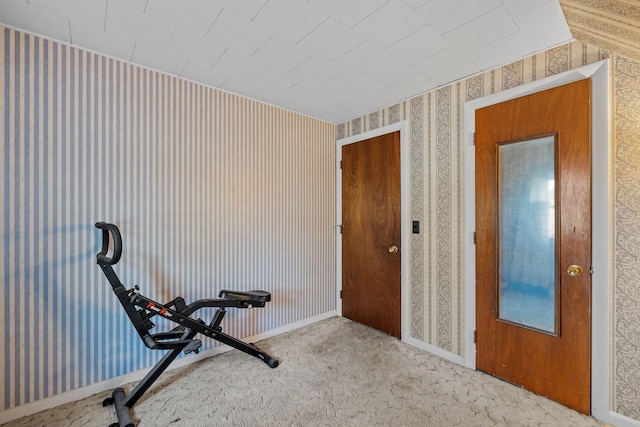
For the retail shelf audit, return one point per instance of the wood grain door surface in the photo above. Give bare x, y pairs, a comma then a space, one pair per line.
371, 232
557, 364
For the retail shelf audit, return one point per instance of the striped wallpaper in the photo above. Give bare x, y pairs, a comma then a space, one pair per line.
210, 191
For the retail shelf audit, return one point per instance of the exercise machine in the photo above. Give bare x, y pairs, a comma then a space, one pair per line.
141, 310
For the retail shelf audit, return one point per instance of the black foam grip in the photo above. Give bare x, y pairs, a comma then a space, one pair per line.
107, 229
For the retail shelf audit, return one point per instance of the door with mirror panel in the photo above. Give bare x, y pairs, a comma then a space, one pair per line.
533, 244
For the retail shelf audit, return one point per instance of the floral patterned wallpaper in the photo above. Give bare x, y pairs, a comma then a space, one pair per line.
626, 128
609, 24
436, 139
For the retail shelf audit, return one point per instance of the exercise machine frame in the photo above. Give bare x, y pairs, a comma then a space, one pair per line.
141, 310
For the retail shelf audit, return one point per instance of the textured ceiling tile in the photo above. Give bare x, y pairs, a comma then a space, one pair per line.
276, 78
446, 66
411, 87
337, 107
157, 59
415, 4
317, 69
482, 31
180, 14
359, 88
37, 21
364, 58
169, 10
550, 39
136, 26
389, 24
331, 39
89, 37
540, 20
517, 7
297, 50
304, 92
231, 28
348, 13
197, 48
446, 15
234, 62
244, 87
501, 52
203, 73
89, 13
245, 9
280, 52
139, 5
293, 19
392, 73
419, 45
275, 96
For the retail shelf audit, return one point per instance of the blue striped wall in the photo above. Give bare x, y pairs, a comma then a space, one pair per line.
210, 191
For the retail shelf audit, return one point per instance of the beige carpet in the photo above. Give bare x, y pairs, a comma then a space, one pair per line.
332, 373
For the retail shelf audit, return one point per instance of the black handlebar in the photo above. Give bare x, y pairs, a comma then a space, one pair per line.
102, 257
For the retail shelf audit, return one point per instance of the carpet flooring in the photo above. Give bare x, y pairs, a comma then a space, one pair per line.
332, 373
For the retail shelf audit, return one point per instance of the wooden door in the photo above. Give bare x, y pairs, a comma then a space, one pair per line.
371, 232
516, 270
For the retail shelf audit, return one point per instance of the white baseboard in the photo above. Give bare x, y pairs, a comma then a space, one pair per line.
619, 420
447, 355
112, 383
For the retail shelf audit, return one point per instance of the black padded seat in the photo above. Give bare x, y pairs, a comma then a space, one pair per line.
250, 296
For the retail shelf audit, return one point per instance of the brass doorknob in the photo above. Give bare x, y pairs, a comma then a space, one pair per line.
574, 270
393, 249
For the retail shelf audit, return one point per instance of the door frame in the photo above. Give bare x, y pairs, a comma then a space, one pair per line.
405, 215
602, 221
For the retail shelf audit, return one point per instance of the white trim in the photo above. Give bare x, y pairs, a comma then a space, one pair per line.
112, 383
446, 355
468, 235
602, 242
620, 420
602, 222
405, 215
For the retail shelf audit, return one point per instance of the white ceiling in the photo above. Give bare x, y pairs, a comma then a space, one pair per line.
330, 59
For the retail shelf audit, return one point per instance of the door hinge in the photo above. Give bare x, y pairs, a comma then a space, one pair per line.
475, 336
340, 164
340, 227
474, 237
474, 138
340, 294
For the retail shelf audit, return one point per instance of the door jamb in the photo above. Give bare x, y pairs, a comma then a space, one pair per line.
405, 215
602, 222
